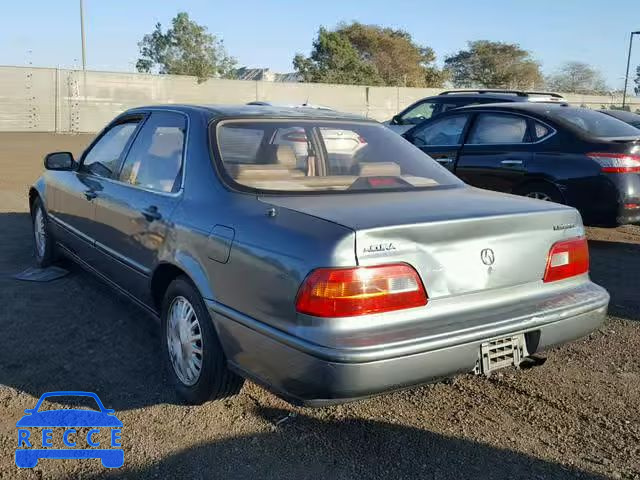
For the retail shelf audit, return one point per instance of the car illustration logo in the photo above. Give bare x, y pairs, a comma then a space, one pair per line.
487, 256
104, 429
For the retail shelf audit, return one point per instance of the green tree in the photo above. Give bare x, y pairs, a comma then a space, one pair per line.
184, 49
368, 55
578, 77
493, 65
636, 90
334, 60
399, 60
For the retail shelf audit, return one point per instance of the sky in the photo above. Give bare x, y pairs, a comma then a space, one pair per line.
269, 33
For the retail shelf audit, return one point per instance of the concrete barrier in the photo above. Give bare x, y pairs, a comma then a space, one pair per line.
57, 100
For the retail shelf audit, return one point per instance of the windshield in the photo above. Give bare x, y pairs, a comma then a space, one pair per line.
593, 122
318, 156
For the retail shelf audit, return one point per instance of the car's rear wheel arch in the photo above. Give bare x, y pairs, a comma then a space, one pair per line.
164, 274
167, 271
543, 185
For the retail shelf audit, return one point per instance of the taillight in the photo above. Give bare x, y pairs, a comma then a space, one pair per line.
567, 258
347, 292
617, 162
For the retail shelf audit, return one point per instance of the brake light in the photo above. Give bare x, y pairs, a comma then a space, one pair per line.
567, 258
617, 162
348, 292
300, 137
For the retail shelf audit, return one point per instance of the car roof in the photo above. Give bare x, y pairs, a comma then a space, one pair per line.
622, 115
256, 111
533, 107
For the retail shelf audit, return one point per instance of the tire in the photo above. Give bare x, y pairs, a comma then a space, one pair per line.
213, 380
44, 244
541, 191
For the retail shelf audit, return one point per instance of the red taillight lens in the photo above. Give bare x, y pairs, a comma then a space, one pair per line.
347, 292
617, 162
567, 259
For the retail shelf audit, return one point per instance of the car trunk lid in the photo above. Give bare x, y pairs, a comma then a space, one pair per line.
460, 240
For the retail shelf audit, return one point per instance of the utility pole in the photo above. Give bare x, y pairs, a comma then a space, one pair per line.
84, 56
626, 77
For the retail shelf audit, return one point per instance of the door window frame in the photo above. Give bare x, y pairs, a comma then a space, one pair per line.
463, 135
530, 133
437, 106
141, 117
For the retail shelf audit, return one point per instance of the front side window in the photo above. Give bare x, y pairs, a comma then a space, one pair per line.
492, 129
322, 156
104, 157
155, 158
419, 113
445, 131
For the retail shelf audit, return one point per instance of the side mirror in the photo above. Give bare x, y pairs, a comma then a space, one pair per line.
59, 161
395, 120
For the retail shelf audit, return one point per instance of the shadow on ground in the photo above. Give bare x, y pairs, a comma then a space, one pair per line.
306, 447
75, 333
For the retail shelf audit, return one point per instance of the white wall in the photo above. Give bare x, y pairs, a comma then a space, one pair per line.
53, 100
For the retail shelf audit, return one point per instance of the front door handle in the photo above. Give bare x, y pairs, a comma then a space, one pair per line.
90, 195
151, 213
511, 162
445, 160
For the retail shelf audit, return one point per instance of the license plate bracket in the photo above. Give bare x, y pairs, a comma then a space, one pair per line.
500, 353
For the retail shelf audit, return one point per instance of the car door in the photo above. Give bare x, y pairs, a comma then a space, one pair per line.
74, 193
133, 213
496, 151
441, 138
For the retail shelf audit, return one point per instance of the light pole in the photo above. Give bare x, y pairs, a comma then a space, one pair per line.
626, 78
84, 57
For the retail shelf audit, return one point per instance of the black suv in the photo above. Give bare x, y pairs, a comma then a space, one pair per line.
432, 106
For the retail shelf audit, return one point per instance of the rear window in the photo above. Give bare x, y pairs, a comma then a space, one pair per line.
323, 156
592, 122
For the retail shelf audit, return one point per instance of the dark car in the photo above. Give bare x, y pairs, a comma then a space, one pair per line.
431, 106
324, 277
565, 154
632, 119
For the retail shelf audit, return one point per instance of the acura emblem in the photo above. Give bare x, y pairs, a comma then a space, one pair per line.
487, 256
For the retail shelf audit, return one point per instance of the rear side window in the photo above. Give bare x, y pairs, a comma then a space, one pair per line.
104, 157
491, 129
155, 158
445, 131
592, 122
322, 156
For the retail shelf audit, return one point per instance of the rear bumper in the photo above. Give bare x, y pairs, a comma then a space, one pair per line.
314, 375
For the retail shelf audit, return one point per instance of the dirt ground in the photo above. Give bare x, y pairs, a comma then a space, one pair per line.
576, 416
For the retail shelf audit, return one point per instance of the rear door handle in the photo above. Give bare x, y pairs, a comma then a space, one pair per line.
511, 162
90, 195
151, 213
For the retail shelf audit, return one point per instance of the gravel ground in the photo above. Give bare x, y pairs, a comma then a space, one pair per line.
576, 416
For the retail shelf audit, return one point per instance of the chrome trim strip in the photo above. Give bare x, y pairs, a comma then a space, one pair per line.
122, 259
71, 229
